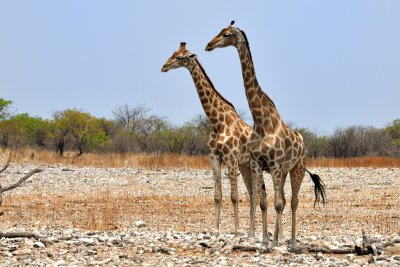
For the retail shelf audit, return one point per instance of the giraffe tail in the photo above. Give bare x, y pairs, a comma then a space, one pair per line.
319, 188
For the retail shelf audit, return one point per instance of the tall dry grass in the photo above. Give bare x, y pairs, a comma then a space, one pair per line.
117, 160
369, 161
157, 161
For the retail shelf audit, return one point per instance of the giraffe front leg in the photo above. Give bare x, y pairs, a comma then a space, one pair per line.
233, 175
216, 166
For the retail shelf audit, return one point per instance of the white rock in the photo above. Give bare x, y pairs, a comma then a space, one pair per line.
140, 224
222, 261
200, 236
88, 241
60, 263
39, 245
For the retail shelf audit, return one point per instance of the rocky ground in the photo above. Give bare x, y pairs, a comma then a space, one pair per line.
133, 217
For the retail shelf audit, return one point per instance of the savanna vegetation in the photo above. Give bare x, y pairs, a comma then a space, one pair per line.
134, 130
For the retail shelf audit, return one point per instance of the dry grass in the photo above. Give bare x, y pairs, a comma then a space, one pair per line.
145, 161
379, 162
348, 210
346, 213
156, 161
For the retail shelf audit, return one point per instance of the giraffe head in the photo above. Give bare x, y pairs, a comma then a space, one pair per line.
229, 36
180, 58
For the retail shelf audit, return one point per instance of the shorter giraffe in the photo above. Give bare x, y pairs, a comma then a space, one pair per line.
228, 140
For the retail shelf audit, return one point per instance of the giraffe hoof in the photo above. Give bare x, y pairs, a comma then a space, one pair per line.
264, 249
275, 243
238, 235
252, 234
296, 250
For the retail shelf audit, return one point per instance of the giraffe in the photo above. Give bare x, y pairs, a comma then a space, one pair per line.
274, 147
228, 140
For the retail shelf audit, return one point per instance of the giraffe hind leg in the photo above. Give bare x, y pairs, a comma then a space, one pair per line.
296, 178
245, 170
259, 194
278, 180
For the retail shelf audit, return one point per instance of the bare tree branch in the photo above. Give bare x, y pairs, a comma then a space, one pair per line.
7, 164
6, 188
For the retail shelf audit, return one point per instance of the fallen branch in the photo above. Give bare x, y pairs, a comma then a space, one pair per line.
246, 248
395, 240
19, 234
3, 189
44, 240
366, 247
331, 251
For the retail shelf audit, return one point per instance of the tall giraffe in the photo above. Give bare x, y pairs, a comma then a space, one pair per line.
274, 147
228, 140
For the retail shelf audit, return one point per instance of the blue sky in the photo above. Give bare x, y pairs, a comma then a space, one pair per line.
326, 64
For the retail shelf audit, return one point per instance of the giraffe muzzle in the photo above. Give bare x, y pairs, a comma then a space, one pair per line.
209, 47
164, 69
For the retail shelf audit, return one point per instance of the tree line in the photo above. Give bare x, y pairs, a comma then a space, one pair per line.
136, 130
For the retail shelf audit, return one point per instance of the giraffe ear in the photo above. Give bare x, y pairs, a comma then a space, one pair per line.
192, 56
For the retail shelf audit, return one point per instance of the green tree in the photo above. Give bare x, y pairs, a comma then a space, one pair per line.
4, 108
393, 130
27, 130
4, 114
81, 129
197, 132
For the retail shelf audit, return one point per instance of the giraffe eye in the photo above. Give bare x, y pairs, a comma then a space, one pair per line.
181, 58
226, 34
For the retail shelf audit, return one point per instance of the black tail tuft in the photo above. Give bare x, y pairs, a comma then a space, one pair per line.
319, 188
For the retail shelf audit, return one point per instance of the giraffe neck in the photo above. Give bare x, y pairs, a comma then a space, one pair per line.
263, 110
219, 111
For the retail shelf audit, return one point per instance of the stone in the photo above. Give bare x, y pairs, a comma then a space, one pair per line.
38, 245
140, 224
88, 241
319, 256
279, 251
60, 263
350, 257
222, 261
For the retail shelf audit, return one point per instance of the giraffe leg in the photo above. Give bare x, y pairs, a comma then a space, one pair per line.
296, 177
233, 175
279, 202
216, 167
259, 194
245, 170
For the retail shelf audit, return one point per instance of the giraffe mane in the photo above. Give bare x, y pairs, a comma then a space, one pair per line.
251, 59
212, 85
247, 44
